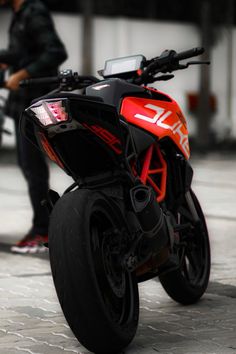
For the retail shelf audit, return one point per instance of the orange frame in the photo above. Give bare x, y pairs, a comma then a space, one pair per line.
154, 156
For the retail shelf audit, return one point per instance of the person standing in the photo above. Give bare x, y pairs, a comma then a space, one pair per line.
34, 50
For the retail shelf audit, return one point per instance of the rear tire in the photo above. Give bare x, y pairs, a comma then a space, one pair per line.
189, 281
98, 297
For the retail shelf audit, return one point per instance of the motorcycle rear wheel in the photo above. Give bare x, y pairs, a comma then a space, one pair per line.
99, 298
188, 282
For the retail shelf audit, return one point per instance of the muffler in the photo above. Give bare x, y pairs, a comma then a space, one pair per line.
155, 234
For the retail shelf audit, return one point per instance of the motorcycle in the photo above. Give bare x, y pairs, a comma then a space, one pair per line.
131, 214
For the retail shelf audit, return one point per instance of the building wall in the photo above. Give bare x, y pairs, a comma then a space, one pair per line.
115, 37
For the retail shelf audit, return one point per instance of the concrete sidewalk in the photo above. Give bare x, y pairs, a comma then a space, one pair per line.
31, 320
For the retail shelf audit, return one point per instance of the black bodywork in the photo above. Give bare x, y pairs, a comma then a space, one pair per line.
112, 91
97, 139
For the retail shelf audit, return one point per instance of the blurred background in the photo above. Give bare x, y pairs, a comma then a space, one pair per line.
94, 31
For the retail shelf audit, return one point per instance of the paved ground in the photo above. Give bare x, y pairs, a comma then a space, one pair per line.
31, 320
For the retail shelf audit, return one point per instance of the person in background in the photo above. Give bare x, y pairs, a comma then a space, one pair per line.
34, 50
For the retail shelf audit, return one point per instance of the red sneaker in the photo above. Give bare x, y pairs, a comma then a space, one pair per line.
31, 244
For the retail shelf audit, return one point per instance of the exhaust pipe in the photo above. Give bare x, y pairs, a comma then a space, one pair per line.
151, 219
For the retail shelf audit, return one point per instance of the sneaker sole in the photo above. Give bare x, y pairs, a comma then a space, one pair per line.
27, 249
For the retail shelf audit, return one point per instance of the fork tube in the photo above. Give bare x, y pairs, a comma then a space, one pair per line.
191, 206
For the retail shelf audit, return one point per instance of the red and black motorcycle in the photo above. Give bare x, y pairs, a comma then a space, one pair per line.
131, 214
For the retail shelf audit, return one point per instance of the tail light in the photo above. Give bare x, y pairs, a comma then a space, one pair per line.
50, 112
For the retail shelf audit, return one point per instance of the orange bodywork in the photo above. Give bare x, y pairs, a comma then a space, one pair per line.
161, 118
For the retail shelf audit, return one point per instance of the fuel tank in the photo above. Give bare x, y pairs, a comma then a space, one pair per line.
161, 117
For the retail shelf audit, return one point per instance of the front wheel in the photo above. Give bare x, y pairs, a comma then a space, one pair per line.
98, 296
188, 282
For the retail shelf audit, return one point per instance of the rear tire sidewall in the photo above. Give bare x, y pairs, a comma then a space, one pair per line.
75, 277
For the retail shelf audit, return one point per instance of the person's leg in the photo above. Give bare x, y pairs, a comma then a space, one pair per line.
36, 172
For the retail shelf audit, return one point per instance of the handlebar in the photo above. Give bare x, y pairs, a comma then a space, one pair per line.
65, 80
167, 62
189, 53
40, 81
